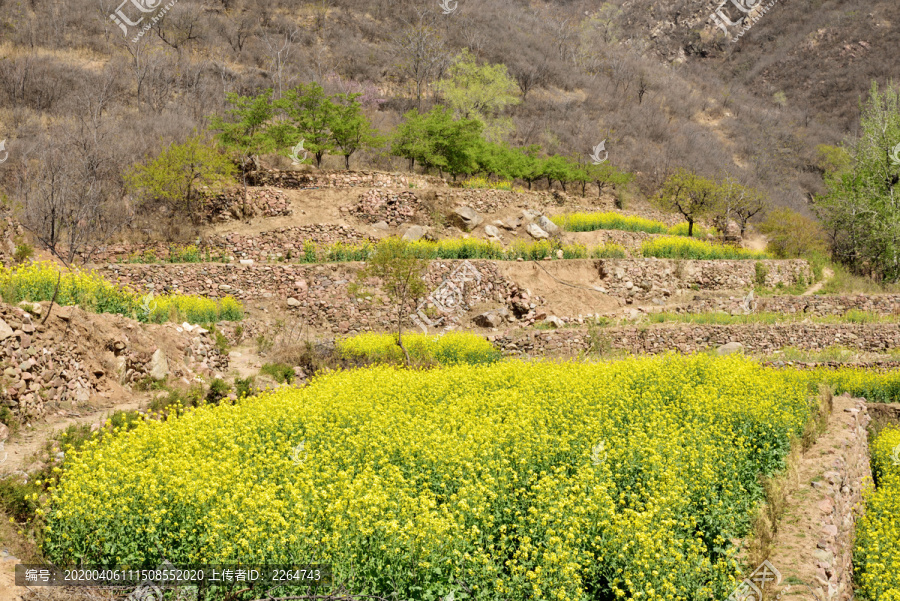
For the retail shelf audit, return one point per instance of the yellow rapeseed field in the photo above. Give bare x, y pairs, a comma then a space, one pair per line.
449, 349
512, 480
877, 553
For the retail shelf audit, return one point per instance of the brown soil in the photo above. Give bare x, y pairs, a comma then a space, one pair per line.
800, 526
549, 279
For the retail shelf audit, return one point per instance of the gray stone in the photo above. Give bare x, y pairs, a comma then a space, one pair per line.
5, 330
547, 225
554, 322
536, 232
414, 233
731, 347
381, 225
293, 302
488, 319
511, 223
491, 231
33, 308
467, 218
159, 366
246, 261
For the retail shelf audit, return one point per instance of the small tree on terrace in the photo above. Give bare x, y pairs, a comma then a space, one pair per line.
311, 112
740, 203
691, 195
175, 175
350, 129
400, 274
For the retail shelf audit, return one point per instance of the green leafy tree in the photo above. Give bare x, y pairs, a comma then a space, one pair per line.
791, 234
350, 128
245, 130
437, 141
175, 175
479, 92
861, 208
605, 174
311, 113
401, 276
689, 194
556, 168
531, 165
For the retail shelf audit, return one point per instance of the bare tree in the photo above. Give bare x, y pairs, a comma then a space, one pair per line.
421, 56
279, 49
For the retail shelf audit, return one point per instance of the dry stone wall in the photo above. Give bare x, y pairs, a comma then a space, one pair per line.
305, 179
756, 338
647, 279
818, 305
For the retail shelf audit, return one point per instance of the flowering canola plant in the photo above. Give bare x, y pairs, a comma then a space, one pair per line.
90, 291
876, 555
536, 480
450, 348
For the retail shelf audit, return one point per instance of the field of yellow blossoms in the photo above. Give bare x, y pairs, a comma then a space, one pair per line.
448, 349
877, 554
512, 480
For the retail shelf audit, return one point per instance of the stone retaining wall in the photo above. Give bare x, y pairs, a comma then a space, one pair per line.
648, 279
756, 338
301, 179
819, 305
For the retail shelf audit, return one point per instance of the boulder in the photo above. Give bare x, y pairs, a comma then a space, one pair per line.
380, 225
293, 302
511, 223
536, 232
731, 347
246, 261
33, 308
5, 330
159, 367
489, 319
547, 225
414, 233
466, 217
491, 231
554, 322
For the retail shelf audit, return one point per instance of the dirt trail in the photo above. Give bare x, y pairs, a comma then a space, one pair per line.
827, 275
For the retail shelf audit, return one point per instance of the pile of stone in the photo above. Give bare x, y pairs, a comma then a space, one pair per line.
38, 368
393, 208
284, 243
265, 202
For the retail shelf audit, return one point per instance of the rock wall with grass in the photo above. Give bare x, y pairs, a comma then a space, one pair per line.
313, 178
683, 338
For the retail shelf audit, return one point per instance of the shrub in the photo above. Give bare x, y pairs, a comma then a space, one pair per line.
23, 252
281, 373
762, 273
688, 248
792, 235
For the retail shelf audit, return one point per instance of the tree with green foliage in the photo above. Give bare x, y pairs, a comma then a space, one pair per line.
532, 165
311, 113
436, 141
689, 194
791, 235
350, 128
479, 92
556, 168
861, 208
606, 174
401, 276
245, 131
176, 173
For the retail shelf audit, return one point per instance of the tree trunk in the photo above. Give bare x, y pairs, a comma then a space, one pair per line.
690, 228
347, 161
400, 342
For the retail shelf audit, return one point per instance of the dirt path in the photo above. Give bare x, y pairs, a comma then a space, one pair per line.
827, 275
